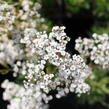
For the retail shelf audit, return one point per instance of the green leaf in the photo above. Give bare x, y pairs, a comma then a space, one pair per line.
5, 71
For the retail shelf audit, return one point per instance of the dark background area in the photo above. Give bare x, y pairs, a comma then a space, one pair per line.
76, 25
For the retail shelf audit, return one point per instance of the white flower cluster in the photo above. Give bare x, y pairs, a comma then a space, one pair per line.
8, 51
13, 21
20, 98
7, 18
29, 14
14, 17
49, 66
95, 48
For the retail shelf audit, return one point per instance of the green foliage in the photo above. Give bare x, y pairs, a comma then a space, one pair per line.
100, 30
75, 6
50, 69
99, 89
20, 78
98, 8
101, 8
5, 71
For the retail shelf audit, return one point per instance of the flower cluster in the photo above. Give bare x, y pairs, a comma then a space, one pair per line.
20, 98
23, 16
95, 48
49, 66
7, 18
27, 15
8, 51
14, 18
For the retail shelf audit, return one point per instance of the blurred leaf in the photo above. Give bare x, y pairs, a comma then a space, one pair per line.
101, 8
5, 71
20, 78
104, 85
74, 6
50, 69
100, 29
